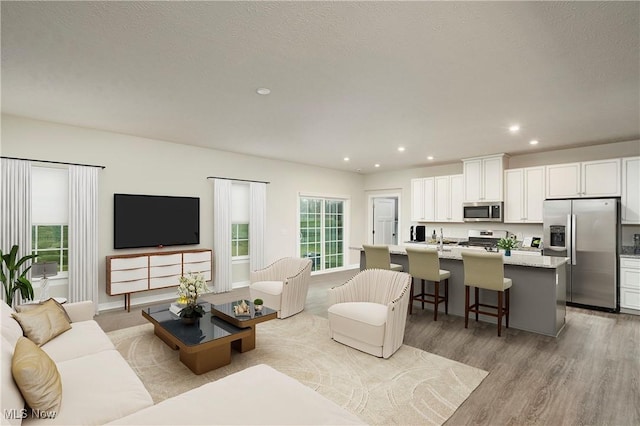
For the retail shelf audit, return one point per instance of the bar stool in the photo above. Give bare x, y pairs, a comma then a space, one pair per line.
425, 264
378, 257
485, 270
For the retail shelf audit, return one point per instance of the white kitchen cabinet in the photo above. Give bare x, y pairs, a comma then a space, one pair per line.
524, 195
630, 284
588, 179
631, 190
448, 198
483, 178
457, 194
422, 199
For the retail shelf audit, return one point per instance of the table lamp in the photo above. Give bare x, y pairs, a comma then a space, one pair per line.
44, 270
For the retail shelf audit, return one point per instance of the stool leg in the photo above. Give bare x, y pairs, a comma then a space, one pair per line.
508, 308
477, 301
422, 297
411, 298
435, 301
466, 306
446, 296
499, 312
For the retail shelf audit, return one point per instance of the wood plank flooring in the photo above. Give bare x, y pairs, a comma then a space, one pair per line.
590, 375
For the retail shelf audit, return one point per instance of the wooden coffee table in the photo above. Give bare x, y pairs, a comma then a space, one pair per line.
225, 312
205, 345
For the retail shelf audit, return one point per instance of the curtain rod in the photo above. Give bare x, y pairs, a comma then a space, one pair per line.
52, 162
239, 180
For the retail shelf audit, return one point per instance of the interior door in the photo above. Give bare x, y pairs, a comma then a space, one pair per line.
385, 221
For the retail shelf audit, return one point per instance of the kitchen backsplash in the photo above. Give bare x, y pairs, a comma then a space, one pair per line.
460, 230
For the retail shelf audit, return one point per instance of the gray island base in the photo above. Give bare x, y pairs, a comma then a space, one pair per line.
538, 294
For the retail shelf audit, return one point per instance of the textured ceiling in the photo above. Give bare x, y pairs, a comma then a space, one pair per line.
353, 79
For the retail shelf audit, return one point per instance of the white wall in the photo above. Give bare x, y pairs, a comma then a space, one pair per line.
146, 166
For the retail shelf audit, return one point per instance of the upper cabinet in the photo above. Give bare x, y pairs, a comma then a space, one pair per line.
631, 190
483, 178
524, 195
588, 179
422, 199
448, 198
437, 199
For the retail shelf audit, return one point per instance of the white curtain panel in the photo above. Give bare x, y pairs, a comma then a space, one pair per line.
83, 234
15, 205
222, 235
257, 221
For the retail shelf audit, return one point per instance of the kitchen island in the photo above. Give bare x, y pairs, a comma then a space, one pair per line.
538, 293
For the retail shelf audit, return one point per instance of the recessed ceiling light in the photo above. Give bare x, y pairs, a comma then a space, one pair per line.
430, 157
263, 91
358, 170
346, 158
533, 142
376, 165
514, 128
401, 148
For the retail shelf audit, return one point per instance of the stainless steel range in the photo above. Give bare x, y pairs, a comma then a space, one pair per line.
486, 239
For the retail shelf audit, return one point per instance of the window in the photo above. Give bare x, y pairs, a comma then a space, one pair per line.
50, 216
322, 232
51, 244
239, 239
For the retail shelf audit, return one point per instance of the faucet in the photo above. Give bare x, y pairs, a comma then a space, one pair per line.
441, 243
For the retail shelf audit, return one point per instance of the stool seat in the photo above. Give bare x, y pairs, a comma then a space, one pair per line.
424, 264
485, 271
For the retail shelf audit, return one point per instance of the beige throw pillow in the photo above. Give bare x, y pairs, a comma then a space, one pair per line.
44, 322
31, 306
37, 376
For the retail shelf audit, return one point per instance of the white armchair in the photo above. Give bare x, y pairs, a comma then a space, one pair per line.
369, 312
283, 285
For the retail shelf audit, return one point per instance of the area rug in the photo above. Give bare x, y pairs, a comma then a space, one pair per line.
411, 387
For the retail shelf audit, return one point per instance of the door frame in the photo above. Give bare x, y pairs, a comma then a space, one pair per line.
397, 194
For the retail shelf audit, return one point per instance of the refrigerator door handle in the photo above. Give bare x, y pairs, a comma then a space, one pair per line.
573, 240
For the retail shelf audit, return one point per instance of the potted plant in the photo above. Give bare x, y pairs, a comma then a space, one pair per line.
12, 280
257, 303
507, 244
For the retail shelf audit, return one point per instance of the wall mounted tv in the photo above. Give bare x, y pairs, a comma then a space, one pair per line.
154, 221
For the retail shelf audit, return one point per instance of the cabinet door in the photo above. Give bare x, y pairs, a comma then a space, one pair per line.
601, 178
442, 199
514, 196
533, 194
563, 181
492, 179
631, 190
472, 180
417, 200
456, 185
429, 199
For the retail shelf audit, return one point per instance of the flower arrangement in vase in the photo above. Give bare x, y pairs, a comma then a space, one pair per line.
191, 286
507, 244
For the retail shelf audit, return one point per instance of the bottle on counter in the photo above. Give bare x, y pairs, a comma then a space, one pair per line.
434, 236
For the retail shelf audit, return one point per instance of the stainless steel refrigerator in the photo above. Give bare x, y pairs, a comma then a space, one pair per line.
588, 232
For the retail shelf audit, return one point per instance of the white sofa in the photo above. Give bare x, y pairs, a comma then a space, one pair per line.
99, 387
97, 383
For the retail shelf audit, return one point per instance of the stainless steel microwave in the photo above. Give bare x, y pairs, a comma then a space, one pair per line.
483, 212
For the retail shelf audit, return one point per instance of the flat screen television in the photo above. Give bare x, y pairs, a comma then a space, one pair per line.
155, 221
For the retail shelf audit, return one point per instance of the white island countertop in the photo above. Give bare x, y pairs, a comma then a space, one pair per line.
515, 259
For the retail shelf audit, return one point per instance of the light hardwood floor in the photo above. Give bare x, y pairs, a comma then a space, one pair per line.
590, 375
